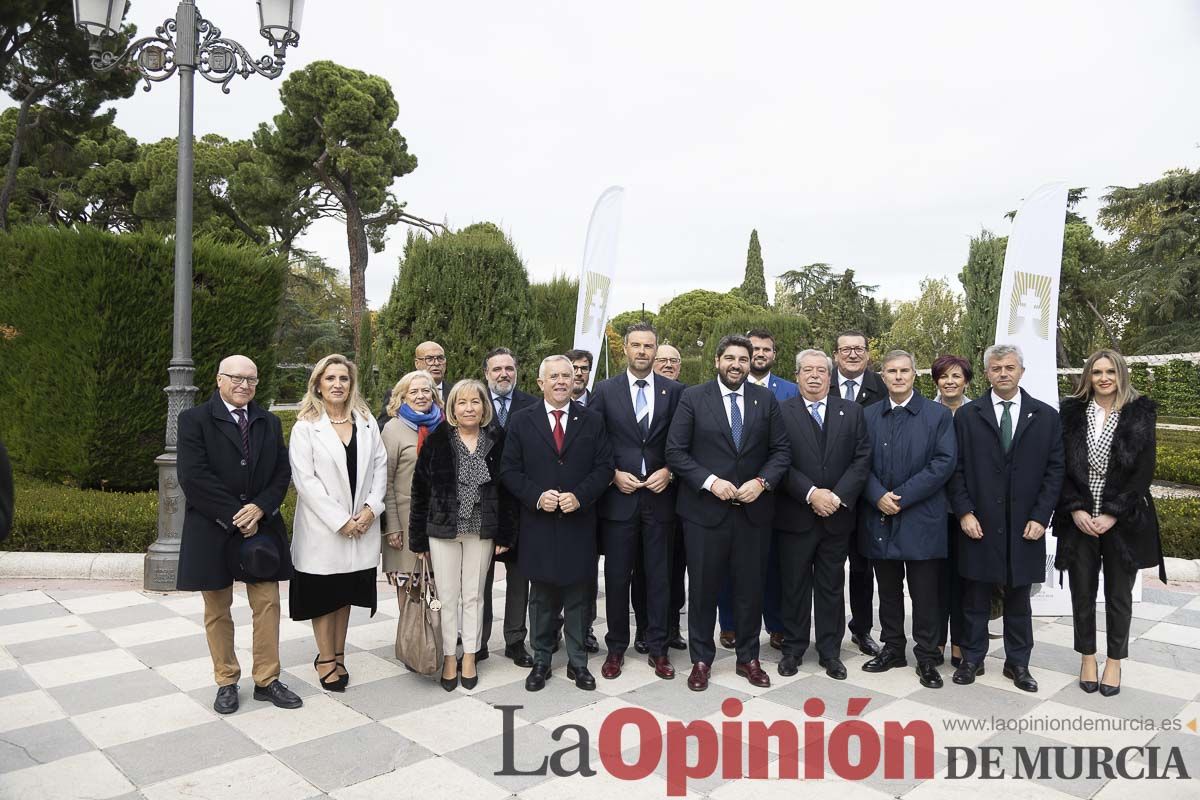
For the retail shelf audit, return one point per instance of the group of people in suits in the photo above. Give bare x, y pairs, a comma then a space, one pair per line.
761, 489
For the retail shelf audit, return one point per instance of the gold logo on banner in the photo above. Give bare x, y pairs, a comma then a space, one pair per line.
1030, 303
595, 300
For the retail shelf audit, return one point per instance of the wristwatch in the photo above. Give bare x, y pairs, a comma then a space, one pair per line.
764, 483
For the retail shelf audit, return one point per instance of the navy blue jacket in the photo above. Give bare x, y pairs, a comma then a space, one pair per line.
913, 454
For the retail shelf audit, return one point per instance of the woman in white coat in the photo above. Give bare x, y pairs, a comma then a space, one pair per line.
339, 467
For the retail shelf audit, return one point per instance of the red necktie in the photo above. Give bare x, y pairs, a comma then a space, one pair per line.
559, 433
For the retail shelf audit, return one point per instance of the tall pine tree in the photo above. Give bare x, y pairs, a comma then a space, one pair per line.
980, 279
754, 285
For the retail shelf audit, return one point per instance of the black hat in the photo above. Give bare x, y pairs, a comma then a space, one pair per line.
254, 558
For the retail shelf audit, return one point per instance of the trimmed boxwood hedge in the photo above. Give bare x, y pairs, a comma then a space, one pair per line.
86, 321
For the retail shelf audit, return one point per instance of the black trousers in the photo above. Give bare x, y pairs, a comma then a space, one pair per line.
1018, 622
645, 540
862, 592
951, 588
678, 591
924, 582
1084, 574
546, 602
737, 548
812, 569
516, 601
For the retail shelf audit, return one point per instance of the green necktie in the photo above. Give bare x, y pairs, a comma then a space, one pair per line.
1006, 425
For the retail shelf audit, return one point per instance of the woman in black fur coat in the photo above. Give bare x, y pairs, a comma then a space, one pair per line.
1105, 516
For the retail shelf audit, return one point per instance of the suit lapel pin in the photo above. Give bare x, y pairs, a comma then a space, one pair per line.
841, 413
1030, 414
573, 419
755, 402
664, 392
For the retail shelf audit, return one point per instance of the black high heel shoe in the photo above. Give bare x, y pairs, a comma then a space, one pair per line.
336, 684
1111, 691
471, 682
1088, 686
345, 679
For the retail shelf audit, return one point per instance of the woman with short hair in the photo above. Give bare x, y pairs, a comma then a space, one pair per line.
952, 375
339, 468
414, 411
1105, 517
461, 517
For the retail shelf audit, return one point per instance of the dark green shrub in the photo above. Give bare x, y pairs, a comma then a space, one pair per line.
792, 333
1139, 376
1177, 456
1176, 388
83, 365
1179, 523
52, 518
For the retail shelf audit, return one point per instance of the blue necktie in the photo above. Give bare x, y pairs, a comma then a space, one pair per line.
735, 421
850, 386
502, 412
816, 415
641, 409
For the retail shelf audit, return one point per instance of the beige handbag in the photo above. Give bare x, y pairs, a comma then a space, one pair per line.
419, 628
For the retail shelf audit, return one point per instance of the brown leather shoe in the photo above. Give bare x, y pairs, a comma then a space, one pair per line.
728, 639
777, 641
698, 680
612, 665
662, 666
753, 672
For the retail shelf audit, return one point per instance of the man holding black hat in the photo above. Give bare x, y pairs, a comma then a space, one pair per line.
233, 468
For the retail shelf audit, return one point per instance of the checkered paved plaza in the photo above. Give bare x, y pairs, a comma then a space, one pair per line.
106, 692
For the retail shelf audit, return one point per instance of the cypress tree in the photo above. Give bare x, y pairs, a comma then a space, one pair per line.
980, 278
754, 285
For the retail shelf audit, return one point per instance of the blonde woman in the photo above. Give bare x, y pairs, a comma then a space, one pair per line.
461, 517
414, 411
339, 468
1105, 517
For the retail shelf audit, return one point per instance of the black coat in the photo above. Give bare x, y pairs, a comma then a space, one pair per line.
554, 547
435, 493
870, 389
841, 464
1005, 491
700, 444
217, 481
1126, 493
516, 401
6, 494
613, 400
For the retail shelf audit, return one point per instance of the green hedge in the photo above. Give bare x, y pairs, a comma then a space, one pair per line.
792, 333
1178, 456
1179, 522
87, 317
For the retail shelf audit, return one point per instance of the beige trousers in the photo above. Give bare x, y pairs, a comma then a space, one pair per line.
218, 626
461, 566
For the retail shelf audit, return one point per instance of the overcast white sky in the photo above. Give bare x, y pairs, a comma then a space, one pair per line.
878, 136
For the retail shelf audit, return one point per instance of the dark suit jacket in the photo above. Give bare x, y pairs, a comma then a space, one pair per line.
217, 481
516, 401
6, 494
700, 444
841, 465
870, 390
1005, 491
613, 400
554, 547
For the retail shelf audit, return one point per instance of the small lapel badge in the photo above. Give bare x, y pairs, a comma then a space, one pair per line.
573, 419
664, 392
841, 413
1030, 414
755, 402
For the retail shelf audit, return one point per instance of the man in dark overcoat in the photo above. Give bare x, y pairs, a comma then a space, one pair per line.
233, 469
1004, 492
729, 448
557, 463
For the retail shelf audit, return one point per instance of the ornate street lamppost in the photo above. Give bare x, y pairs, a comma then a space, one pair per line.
187, 44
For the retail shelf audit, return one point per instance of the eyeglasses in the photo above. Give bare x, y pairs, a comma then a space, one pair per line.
852, 351
581, 368
238, 380
667, 360
433, 359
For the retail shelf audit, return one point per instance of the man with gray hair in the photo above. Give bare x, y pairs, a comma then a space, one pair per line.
557, 462
814, 513
1004, 491
900, 524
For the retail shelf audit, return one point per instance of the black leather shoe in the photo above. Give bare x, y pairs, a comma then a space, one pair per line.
956, 661
966, 672
536, 681
279, 694
639, 643
888, 658
583, 679
227, 699
589, 642
834, 668
481, 654
930, 678
788, 666
519, 655
865, 644
1020, 677
675, 640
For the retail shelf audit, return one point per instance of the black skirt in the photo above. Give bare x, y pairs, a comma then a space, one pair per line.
312, 595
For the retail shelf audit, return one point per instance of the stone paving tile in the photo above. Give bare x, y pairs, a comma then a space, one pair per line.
531, 746
276, 728
41, 629
15, 681
22, 599
29, 708
1185, 616
40, 744
128, 615
430, 778
116, 725
351, 756
62, 779
395, 696
168, 755
113, 690
73, 669
171, 651
260, 777
32, 613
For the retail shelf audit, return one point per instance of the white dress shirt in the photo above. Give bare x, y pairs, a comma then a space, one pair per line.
840, 387
741, 399
822, 408
633, 393
550, 414
895, 405
231, 407
1014, 411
